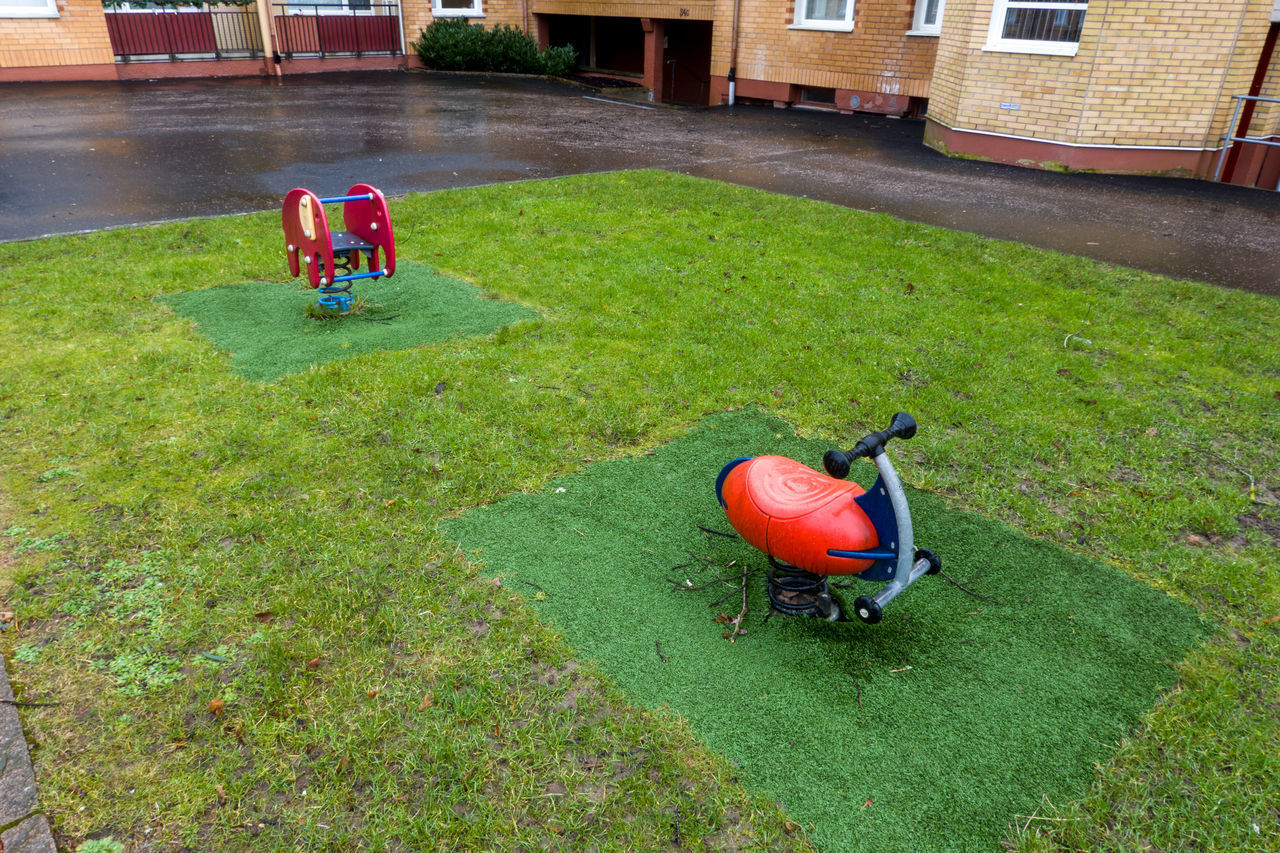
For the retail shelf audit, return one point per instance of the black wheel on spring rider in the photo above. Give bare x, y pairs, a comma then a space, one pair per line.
867, 609
935, 562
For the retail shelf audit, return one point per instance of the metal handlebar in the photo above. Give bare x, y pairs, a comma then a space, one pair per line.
338, 198
837, 462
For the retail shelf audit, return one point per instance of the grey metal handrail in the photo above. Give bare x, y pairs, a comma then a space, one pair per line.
703, 85
1235, 118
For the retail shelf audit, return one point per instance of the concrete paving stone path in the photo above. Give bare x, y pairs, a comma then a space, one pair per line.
22, 828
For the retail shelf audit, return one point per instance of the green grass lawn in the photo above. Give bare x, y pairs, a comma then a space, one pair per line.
256, 633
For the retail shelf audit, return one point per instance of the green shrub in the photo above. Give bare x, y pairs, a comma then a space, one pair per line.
559, 61
452, 44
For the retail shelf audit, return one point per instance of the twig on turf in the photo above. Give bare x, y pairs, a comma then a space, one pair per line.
658, 647
683, 585
534, 585
966, 589
735, 624
721, 599
717, 532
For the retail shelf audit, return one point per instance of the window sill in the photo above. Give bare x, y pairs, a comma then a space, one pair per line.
927, 33
456, 13
41, 13
823, 26
1043, 48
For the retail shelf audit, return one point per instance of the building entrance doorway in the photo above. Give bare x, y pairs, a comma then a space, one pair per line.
686, 65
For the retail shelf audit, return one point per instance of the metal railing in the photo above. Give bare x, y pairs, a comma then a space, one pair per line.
176, 35
670, 88
358, 28
1235, 123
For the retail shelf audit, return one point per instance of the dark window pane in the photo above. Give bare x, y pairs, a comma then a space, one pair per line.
825, 10
930, 18
1043, 24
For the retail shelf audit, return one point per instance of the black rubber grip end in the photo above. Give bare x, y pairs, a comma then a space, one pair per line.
836, 462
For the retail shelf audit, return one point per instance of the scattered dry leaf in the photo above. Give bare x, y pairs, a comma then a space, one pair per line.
216, 707
427, 702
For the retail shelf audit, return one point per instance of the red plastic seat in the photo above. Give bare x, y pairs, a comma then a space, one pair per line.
798, 515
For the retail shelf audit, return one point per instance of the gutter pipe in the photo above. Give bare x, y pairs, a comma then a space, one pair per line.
733, 52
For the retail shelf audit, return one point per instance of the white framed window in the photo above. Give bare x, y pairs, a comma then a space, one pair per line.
833, 15
1036, 26
28, 8
457, 8
928, 19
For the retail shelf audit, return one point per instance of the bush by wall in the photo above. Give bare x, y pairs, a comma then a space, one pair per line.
452, 44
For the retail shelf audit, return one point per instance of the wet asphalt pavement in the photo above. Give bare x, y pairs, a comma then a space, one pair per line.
84, 156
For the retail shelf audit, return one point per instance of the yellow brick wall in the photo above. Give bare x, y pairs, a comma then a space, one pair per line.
1148, 73
417, 17
877, 56
77, 37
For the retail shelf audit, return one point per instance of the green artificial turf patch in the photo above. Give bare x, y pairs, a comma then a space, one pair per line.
265, 327
933, 730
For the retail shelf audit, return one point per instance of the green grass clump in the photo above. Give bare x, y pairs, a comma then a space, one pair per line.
377, 692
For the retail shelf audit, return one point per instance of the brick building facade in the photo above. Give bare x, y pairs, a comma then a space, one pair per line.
1146, 87
59, 40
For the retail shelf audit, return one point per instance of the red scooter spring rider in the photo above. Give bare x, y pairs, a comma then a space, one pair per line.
812, 526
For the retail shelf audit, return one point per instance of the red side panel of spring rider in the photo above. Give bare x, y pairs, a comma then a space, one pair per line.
306, 235
369, 219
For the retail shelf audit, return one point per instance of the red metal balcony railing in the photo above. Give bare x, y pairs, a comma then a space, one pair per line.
359, 29
184, 34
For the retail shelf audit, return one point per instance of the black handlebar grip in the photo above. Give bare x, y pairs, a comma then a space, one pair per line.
836, 462
903, 426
